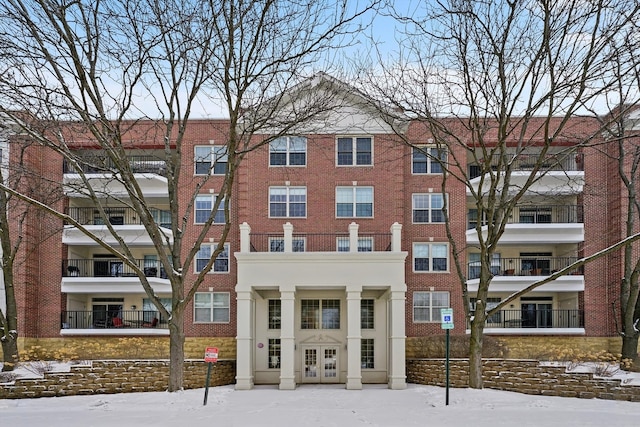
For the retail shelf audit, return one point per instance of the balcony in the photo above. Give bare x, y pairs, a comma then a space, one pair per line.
124, 220
149, 171
563, 172
321, 242
514, 274
537, 224
534, 320
110, 275
122, 322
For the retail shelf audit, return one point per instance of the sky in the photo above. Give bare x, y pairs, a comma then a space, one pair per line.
319, 405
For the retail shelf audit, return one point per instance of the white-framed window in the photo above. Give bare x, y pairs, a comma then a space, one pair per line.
211, 307
274, 353
367, 313
276, 244
430, 257
287, 202
354, 202
365, 244
204, 204
475, 266
275, 310
492, 302
220, 265
367, 353
355, 151
210, 159
425, 160
288, 151
427, 306
320, 314
427, 208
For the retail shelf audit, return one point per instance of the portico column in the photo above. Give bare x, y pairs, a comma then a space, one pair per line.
244, 341
287, 339
397, 338
354, 336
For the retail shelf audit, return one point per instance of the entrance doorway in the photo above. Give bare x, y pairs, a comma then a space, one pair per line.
320, 364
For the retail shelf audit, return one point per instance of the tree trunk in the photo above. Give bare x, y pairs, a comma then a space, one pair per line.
630, 351
9, 351
176, 350
475, 352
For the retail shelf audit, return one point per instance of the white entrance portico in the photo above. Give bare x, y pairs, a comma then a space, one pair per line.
320, 316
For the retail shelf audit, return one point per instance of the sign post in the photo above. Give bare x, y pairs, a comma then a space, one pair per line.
210, 357
447, 325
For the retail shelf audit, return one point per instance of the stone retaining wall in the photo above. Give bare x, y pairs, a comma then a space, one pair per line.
522, 376
118, 376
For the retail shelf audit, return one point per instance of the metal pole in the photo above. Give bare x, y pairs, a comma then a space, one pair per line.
206, 387
447, 368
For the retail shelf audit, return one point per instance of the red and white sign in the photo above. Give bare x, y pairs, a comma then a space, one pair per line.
211, 354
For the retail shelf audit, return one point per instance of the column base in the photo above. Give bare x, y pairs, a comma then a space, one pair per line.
287, 384
397, 383
244, 383
354, 384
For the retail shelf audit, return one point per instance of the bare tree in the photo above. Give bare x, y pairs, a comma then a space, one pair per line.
83, 68
495, 85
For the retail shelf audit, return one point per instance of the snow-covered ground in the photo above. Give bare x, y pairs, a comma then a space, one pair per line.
313, 405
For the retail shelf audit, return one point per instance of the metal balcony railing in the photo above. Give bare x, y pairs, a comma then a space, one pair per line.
320, 242
530, 316
110, 267
102, 164
524, 266
112, 319
117, 216
537, 214
551, 162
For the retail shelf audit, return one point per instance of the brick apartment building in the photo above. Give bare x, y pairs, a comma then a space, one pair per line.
338, 255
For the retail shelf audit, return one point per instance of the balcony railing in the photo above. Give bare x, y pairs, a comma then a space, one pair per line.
115, 319
110, 267
102, 164
320, 242
539, 214
532, 317
117, 216
524, 266
523, 162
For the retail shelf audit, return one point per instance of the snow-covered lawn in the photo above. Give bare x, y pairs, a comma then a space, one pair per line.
313, 405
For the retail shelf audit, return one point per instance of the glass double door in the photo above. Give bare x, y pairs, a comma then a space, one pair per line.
320, 364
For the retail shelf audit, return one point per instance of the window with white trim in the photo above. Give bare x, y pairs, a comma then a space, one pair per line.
211, 307
275, 310
320, 314
366, 313
365, 244
274, 353
204, 204
366, 353
427, 208
276, 244
427, 160
288, 151
354, 202
492, 302
430, 257
210, 159
287, 202
355, 151
220, 265
428, 305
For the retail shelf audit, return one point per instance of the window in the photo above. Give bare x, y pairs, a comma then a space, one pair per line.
320, 312
427, 208
288, 151
287, 202
425, 160
149, 310
474, 265
365, 244
274, 353
366, 353
354, 151
211, 307
354, 202
211, 159
274, 313
203, 207
220, 265
430, 257
366, 314
491, 303
276, 244
427, 306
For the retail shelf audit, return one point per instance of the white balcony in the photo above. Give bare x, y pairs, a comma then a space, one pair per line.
522, 234
133, 235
